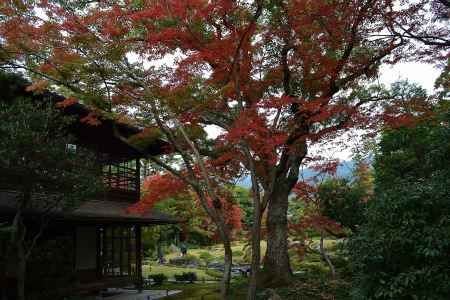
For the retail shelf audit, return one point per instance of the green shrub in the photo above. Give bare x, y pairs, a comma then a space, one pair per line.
158, 279
191, 276
186, 276
402, 252
238, 253
185, 260
173, 249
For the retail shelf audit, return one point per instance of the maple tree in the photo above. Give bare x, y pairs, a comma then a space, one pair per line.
275, 76
160, 187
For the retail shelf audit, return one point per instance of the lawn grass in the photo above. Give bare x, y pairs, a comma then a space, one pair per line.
170, 271
210, 291
197, 291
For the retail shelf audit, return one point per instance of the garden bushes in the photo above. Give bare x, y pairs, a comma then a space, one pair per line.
158, 279
184, 261
186, 277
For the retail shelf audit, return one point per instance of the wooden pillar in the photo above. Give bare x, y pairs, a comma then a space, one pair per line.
3, 259
74, 253
139, 281
121, 240
129, 250
99, 251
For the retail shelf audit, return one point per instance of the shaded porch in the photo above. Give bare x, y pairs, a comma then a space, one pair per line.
108, 246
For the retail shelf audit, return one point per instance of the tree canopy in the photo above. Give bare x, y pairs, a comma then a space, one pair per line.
275, 77
402, 250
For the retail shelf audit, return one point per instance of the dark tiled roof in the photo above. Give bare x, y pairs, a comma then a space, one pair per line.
109, 210
91, 211
101, 138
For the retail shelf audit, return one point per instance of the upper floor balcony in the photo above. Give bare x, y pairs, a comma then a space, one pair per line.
122, 181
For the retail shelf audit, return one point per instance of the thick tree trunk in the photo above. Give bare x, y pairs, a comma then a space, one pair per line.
277, 268
256, 253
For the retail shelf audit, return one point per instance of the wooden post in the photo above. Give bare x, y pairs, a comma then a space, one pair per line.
121, 231
129, 249
98, 246
139, 258
74, 253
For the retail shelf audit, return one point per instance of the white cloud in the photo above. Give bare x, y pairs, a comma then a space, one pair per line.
421, 73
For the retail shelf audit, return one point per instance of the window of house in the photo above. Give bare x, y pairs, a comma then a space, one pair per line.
118, 251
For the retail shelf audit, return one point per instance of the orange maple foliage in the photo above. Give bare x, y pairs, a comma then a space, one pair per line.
91, 119
38, 86
66, 102
160, 187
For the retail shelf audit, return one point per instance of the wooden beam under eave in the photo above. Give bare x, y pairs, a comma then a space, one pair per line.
139, 281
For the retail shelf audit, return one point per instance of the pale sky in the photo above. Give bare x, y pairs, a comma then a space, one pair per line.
420, 73
423, 74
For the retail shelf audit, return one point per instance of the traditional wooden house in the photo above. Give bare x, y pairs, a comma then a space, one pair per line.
105, 240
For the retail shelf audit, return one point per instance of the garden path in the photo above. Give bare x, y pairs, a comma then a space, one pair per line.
144, 295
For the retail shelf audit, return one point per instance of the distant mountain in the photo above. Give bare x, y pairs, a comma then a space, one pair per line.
343, 170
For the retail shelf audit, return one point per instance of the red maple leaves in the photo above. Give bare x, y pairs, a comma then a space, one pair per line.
157, 188
161, 187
